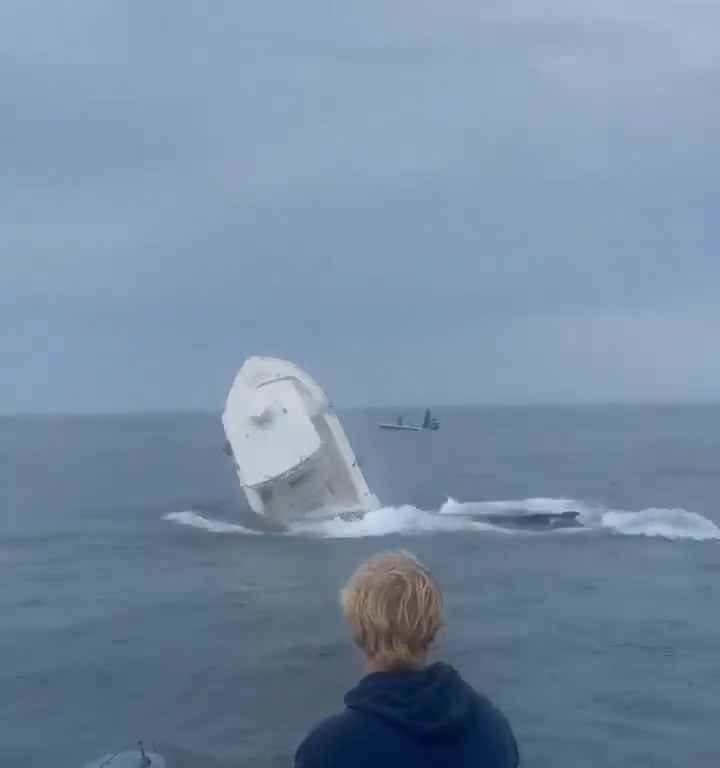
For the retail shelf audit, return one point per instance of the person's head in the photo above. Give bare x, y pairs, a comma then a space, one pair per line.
394, 607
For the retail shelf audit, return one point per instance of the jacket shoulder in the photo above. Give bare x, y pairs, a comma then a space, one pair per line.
498, 729
336, 735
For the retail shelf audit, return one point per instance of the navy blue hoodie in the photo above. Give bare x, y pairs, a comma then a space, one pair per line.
421, 718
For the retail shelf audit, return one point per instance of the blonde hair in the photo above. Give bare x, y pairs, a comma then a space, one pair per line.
394, 607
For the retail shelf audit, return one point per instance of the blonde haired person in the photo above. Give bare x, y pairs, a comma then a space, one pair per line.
405, 712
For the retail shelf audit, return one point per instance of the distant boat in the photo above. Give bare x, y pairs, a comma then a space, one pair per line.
129, 759
429, 423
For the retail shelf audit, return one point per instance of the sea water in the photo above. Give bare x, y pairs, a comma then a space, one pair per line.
139, 598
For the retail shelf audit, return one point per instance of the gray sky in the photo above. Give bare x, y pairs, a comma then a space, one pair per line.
504, 201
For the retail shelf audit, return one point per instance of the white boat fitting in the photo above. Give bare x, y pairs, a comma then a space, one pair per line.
290, 452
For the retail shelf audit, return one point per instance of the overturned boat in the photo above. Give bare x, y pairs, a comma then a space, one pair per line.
290, 452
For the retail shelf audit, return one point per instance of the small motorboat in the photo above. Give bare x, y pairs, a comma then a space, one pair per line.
135, 758
429, 423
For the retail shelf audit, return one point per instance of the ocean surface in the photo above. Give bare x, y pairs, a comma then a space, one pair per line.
138, 599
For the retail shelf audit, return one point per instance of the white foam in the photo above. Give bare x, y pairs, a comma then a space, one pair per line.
389, 520
671, 523
457, 517
664, 523
539, 505
194, 520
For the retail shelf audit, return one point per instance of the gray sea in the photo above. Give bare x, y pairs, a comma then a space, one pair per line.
579, 550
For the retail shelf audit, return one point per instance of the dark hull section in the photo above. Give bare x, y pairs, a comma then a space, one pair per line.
534, 521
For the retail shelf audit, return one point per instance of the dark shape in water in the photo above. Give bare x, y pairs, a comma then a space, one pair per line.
533, 520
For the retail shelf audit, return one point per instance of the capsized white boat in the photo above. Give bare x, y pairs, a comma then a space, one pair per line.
290, 452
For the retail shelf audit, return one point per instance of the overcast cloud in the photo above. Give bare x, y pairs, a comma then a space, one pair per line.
420, 202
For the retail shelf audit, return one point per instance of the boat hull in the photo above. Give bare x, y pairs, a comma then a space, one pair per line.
290, 452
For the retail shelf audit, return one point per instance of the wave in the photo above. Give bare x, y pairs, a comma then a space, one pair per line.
389, 520
194, 520
511, 506
655, 521
506, 517
671, 523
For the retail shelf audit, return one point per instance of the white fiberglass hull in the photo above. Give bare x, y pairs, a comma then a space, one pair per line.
290, 452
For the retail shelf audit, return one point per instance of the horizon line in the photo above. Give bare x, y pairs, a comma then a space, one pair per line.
618, 403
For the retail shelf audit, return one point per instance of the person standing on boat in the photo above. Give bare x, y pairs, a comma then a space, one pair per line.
405, 712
